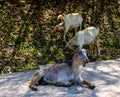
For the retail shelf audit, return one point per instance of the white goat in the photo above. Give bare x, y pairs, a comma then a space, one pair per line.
72, 20
63, 74
86, 36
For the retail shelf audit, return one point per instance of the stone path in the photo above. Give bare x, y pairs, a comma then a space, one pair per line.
104, 74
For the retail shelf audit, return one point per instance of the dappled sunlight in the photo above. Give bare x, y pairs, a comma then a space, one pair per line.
27, 37
103, 74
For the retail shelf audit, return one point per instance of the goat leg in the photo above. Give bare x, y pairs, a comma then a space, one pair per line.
97, 45
62, 84
35, 81
90, 86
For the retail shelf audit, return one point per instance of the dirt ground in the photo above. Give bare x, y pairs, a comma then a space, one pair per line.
104, 74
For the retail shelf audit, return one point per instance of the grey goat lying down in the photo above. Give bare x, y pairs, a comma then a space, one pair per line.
63, 74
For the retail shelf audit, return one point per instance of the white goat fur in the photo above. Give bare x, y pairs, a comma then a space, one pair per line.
72, 20
86, 36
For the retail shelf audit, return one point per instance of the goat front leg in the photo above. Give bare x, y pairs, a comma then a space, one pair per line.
90, 86
72, 42
80, 26
80, 80
75, 30
67, 27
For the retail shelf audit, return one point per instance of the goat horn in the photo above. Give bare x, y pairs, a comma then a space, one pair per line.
70, 47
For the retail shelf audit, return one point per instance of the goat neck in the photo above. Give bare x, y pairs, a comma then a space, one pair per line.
76, 64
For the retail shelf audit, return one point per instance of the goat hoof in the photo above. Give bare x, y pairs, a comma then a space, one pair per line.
34, 88
92, 87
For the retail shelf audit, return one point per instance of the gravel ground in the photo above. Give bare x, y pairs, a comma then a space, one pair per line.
104, 74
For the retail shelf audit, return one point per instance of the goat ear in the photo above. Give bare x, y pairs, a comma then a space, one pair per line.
60, 17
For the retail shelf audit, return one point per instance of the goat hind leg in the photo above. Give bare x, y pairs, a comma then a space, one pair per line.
35, 81
57, 83
97, 45
63, 84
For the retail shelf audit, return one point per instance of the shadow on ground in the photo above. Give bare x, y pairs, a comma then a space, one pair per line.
105, 75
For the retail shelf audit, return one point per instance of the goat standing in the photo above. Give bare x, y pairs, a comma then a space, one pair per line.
86, 36
72, 20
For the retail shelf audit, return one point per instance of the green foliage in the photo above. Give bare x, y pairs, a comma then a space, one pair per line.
27, 39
